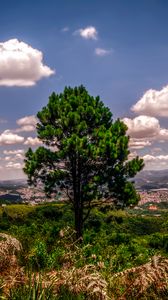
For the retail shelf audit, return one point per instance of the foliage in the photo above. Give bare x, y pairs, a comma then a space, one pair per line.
87, 154
159, 241
114, 251
33, 290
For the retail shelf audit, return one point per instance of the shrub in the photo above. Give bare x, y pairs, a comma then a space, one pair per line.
38, 257
159, 241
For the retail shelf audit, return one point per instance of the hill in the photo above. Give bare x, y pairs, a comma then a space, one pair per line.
147, 180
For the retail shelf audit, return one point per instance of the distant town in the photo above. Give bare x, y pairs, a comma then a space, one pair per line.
17, 191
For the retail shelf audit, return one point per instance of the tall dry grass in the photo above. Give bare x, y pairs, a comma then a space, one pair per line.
11, 273
137, 283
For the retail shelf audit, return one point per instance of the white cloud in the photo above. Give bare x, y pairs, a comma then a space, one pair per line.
7, 158
163, 134
153, 103
12, 171
14, 158
139, 143
9, 138
27, 120
142, 126
155, 162
32, 141
20, 64
132, 155
102, 52
13, 165
27, 123
26, 128
65, 29
19, 156
13, 152
144, 130
87, 33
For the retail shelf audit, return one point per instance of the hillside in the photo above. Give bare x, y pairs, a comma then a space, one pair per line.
147, 180
119, 250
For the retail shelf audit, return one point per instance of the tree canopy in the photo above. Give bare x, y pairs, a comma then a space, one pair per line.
86, 153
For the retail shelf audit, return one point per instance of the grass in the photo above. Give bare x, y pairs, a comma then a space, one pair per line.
117, 246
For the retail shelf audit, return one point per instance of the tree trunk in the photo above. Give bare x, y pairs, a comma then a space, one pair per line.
78, 221
78, 205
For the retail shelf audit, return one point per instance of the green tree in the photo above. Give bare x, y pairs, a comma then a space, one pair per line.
86, 154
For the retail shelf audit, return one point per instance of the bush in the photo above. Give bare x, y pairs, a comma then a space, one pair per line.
143, 225
119, 238
159, 241
49, 212
38, 258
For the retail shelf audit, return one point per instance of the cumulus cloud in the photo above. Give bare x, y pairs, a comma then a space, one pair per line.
155, 162
9, 138
139, 143
16, 157
102, 52
26, 128
13, 152
19, 156
163, 134
32, 141
27, 123
13, 160
142, 126
153, 103
20, 64
132, 155
87, 33
144, 130
7, 158
13, 165
27, 120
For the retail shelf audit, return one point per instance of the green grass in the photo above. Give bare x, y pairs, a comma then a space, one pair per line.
113, 240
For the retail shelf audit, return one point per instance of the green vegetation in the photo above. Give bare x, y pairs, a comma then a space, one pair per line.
57, 267
122, 254
88, 154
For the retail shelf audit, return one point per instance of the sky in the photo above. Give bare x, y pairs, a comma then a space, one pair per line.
117, 49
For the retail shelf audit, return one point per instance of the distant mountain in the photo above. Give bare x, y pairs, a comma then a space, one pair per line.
10, 198
149, 179
145, 180
12, 184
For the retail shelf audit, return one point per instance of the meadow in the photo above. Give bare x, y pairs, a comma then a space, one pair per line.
123, 254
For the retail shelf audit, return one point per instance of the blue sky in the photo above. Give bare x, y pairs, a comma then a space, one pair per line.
116, 49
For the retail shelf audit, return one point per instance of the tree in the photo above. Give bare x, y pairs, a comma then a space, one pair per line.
86, 154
